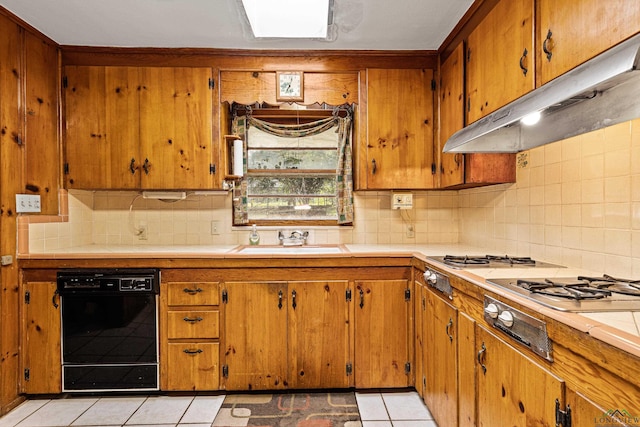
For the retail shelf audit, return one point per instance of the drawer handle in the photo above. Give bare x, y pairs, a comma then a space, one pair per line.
191, 291
192, 319
187, 351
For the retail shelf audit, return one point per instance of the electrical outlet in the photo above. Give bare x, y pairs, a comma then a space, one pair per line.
402, 200
142, 231
27, 203
215, 228
411, 231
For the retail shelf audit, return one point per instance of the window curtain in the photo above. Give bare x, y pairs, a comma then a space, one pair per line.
344, 172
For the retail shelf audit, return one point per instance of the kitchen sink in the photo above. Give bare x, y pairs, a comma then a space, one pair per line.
293, 250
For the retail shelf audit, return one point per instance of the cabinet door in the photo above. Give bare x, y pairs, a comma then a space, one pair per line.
419, 309
255, 336
42, 156
466, 370
512, 386
41, 342
441, 359
102, 138
399, 136
381, 334
585, 412
319, 334
451, 116
573, 31
500, 64
176, 128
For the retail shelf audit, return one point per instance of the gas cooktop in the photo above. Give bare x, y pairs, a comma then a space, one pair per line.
490, 261
579, 294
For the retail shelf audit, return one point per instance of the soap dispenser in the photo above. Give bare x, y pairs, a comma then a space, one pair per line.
254, 237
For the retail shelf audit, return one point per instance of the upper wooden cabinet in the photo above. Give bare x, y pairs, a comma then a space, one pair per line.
464, 170
570, 32
139, 127
42, 155
500, 58
397, 149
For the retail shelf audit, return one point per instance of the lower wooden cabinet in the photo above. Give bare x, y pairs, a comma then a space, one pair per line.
190, 333
193, 366
41, 354
282, 335
512, 387
382, 356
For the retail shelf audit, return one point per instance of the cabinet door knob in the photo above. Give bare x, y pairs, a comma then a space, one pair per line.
361, 298
132, 166
280, 300
481, 358
374, 166
294, 294
146, 166
545, 46
448, 329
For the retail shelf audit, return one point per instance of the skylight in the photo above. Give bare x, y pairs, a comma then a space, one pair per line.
288, 18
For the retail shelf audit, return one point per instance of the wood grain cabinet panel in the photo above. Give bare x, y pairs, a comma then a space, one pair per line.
570, 32
512, 386
398, 150
194, 366
500, 58
382, 334
41, 354
282, 335
139, 128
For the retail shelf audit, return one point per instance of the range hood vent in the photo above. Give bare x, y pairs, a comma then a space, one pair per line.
601, 92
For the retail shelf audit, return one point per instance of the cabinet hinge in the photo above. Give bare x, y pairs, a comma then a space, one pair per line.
211, 83
433, 168
212, 169
407, 367
563, 418
424, 381
27, 297
225, 371
424, 304
407, 295
468, 54
348, 295
225, 296
65, 82
65, 168
349, 369
433, 84
468, 104
27, 374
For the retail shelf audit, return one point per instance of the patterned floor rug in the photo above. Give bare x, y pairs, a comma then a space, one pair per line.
289, 410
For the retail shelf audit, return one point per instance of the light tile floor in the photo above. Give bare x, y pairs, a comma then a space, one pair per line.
387, 409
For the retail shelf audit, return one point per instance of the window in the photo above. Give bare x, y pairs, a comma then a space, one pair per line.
291, 178
295, 169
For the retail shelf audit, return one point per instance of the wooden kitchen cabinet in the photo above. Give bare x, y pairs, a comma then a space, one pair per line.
512, 386
282, 335
472, 169
42, 151
419, 313
190, 336
139, 128
382, 334
500, 58
41, 354
397, 149
441, 358
571, 32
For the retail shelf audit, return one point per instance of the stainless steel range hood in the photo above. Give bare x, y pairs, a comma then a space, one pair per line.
599, 93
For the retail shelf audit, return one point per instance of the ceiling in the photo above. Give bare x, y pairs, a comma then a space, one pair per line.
358, 24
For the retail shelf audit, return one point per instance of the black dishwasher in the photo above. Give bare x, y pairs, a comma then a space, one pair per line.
109, 329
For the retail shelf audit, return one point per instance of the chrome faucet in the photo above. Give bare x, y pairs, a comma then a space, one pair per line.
295, 238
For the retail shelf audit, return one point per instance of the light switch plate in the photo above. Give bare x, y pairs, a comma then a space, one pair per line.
27, 203
402, 201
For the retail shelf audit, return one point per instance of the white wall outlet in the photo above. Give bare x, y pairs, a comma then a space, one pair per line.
6, 260
215, 228
402, 201
27, 203
411, 231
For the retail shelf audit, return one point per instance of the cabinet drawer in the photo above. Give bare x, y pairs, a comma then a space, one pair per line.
193, 324
193, 366
193, 293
